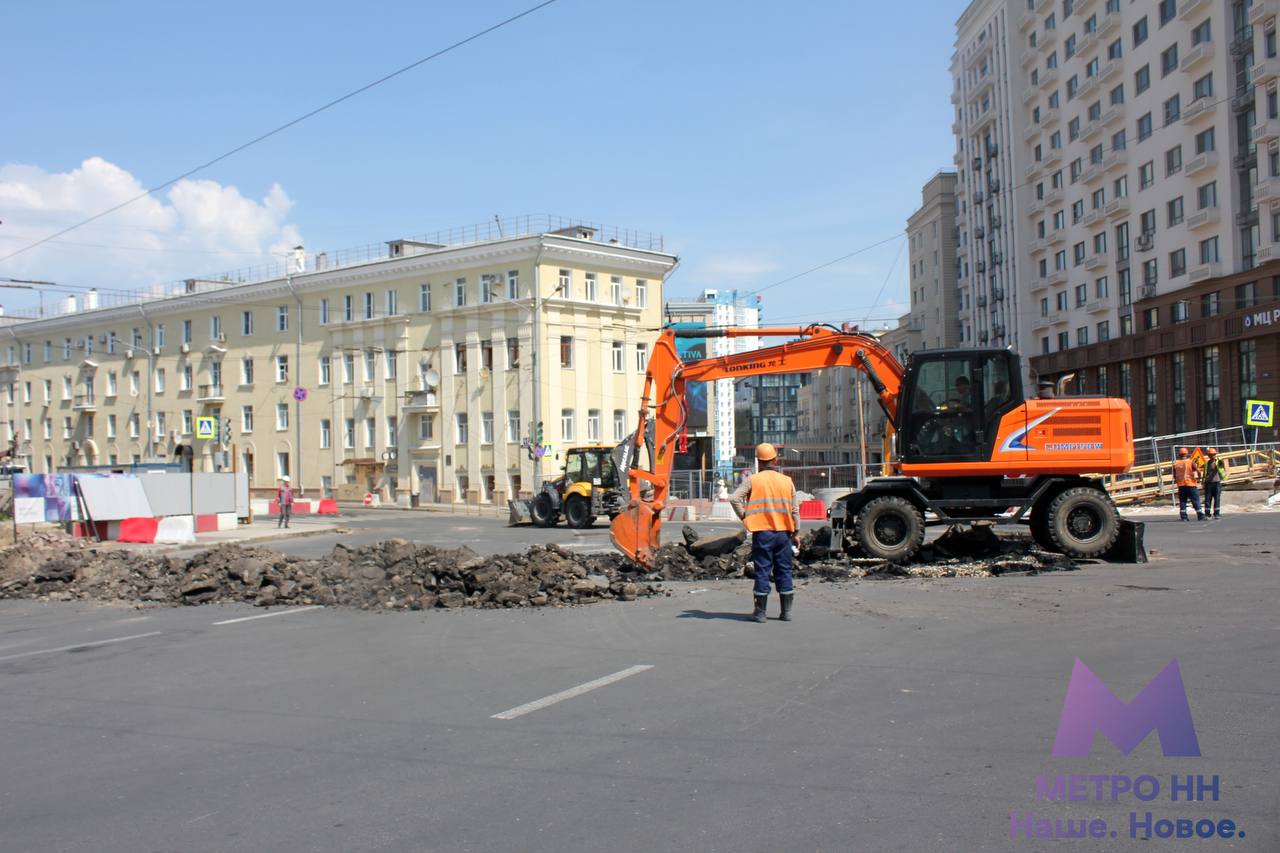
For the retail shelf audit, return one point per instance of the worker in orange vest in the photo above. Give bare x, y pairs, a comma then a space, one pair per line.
1186, 476
766, 503
1214, 472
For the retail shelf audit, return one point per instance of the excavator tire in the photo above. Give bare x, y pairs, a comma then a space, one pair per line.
542, 512
890, 528
1083, 522
577, 513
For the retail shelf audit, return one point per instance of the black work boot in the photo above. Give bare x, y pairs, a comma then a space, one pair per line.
786, 605
762, 603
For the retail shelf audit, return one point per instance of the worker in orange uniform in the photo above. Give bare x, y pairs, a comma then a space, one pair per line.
766, 503
1215, 471
1186, 476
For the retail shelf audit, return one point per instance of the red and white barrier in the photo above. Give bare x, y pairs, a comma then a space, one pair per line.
326, 506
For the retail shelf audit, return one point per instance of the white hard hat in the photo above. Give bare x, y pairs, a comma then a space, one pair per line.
285, 478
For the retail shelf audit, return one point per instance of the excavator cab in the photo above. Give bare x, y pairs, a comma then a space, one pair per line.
954, 402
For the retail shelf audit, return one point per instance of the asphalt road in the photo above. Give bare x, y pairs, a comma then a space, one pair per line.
891, 716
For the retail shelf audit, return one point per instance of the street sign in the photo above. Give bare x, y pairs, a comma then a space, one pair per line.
300, 394
1260, 413
368, 499
206, 427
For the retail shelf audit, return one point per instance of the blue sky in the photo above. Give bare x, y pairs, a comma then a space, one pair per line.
761, 140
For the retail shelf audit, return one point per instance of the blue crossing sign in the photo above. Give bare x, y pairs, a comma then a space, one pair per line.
206, 427
1260, 413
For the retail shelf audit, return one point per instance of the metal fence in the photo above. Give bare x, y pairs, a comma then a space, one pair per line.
705, 484
1152, 449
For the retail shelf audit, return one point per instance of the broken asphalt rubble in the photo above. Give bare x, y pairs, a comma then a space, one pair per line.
396, 574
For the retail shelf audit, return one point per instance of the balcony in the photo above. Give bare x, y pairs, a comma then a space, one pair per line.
1048, 76
1107, 23
1118, 157
1040, 7
1198, 109
1057, 236
1205, 218
1052, 197
1038, 245
1263, 10
1087, 87
1204, 271
1091, 130
1039, 285
1030, 93
1094, 172
84, 403
421, 401
1243, 100
1266, 131
210, 393
1188, 9
1203, 52
1098, 306
1267, 253
1035, 206
1049, 117
1056, 278
1267, 191
1048, 38
1201, 162
1031, 132
1084, 44
1117, 207
984, 86
1095, 262
1052, 156
1242, 44
1092, 218
1027, 22
1265, 71
1028, 56
956, 127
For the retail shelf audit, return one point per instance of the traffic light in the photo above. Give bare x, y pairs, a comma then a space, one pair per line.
226, 430
539, 439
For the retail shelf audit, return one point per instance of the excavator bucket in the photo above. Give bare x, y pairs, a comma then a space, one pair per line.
635, 532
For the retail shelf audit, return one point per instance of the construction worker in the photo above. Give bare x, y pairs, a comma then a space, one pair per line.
284, 497
1187, 478
766, 503
1215, 471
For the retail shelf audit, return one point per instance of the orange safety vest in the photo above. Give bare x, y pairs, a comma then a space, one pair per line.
1184, 473
771, 505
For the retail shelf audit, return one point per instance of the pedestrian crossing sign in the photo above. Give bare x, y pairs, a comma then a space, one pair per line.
206, 427
1260, 413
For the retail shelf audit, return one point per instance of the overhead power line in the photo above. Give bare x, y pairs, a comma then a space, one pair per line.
270, 133
822, 266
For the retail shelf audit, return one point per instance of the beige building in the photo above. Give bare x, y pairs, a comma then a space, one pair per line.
830, 427
425, 371
931, 235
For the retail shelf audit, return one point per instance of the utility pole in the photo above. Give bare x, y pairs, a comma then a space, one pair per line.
298, 253
862, 436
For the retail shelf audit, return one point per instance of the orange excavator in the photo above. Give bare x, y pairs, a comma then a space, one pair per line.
969, 446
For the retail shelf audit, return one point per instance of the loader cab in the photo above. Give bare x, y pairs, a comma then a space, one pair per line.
592, 465
952, 403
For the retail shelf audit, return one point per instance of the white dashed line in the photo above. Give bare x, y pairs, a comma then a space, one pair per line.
538, 704
81, 646
269, 615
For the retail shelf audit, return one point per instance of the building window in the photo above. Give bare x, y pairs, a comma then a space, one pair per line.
349, 434
460, 358
1104, 331
368, 305
619, 424
616, 352
1212, 393
642, 358
1210, 304
488, 283
348, 308
1146, 175
1140, 31
1169, 60
460, 422
1203, 88
566, 351
1207, 195
282, 416
1173, 160
513, 426
566, 425
282, 318
1248, 370
642, 293
282, 368
513, 353
215, 328
325, 368
1246, 295
1172, 110
565, 284
1152, 395
184, 377
370, 365
593, 425
389, 364
1174, 208
486, 355
1142, 79
246, 419
1209, 251
282, 464
1082, 336
1177, 366
392, 429
1179, 312
426, 428
424, 298
324, 312
393, 303
590, 287
513, 284
370, 433
246, 323
615, 289
486, 427
326, 433
348, 367
460, 293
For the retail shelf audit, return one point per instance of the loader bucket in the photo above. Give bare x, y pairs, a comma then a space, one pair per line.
635, 532
520, 512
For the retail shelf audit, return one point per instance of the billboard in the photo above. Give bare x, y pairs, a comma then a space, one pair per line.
695, 393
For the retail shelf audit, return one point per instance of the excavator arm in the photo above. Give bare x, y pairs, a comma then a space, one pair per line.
663, 410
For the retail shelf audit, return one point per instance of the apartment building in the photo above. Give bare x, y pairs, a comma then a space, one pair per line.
931, 237
454, 367
1144, 147
711, 410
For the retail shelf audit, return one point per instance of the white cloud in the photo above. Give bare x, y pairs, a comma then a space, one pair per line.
194, 228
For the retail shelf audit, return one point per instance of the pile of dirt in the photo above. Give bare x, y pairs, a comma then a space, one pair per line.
400, 575
959, 552
394, 574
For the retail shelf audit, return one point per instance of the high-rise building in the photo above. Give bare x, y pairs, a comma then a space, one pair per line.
1117, 170
932, 241
712, 407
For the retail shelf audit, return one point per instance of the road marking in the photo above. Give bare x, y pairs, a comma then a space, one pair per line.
538, 704
269, 615
81, 645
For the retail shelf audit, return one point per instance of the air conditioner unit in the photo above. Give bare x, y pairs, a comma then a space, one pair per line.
1145, 242
184, 348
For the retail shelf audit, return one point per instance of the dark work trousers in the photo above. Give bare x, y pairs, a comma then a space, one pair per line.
771, 554
286, 511
1213, 499
1189, 493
